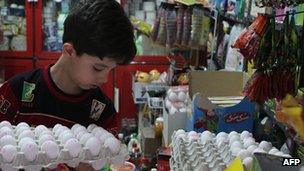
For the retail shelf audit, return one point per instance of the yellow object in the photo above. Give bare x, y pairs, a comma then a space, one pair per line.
154, 75
235, 165
289, 101
142, 26
295, 119
142, 77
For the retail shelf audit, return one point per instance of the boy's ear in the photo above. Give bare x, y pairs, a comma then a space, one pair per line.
68, 49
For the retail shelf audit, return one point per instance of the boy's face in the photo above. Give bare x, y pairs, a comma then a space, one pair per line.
90, 72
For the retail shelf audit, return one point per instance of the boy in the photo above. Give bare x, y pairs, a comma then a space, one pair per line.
98, 36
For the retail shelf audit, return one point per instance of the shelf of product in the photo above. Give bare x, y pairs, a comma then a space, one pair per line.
34, 148
54, 14
16, 29
207, 151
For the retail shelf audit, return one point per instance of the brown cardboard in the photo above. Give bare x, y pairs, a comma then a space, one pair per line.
217, 83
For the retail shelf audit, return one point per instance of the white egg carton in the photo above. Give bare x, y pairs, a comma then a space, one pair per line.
84, 151
209, 152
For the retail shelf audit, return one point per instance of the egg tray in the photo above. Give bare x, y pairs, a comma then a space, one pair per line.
203, 154
192, 155
41, 161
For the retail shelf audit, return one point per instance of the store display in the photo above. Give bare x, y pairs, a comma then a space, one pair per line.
207, 151
13, 26
42, 147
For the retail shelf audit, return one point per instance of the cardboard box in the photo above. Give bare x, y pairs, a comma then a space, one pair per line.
149, 143
217, 83
171, 124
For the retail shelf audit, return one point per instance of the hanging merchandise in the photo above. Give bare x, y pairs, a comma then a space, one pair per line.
162, 31
196, 26
187, 27
180, 25
171, 26
249, 41
276, 67
276, 3
234, 59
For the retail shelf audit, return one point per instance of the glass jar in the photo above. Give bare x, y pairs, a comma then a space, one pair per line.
158, 127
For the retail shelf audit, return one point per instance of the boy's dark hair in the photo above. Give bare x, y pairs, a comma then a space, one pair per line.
100, 28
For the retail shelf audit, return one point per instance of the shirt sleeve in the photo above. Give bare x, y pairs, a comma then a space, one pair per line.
8, 102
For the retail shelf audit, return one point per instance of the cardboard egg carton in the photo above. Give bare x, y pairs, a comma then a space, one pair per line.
207, 151
20, 161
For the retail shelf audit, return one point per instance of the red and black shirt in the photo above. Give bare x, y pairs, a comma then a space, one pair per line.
34, 98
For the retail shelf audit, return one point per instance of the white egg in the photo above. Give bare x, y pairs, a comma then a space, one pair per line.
25, 140
63, 133
26, 133
168, 104
183, 110
94, 145
75, 126
194, 138
236, 144
113, 144
21, 129
44, 138
192, 133
181, 136
181, 96
243, 154
7, 139
100, 133
235, 151
79, 129
66, 137
273, 151
234, 138
30, 150
57, 126
258, 150
73, 146
80, 134
50, 148
22, 124
8, 153
91, 127
266, 146
247, 162
6, 131
85, 137
180, 131
172, 96
245, 134
172, 110
46, 132
39, 129
252, 148
5, 123
104, 137
96, 129
232, 133
222, 134
60, 130
248, 142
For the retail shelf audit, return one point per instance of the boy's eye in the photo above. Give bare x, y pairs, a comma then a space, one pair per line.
97, 69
